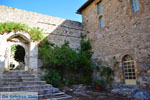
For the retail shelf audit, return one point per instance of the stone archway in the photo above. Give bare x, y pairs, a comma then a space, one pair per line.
23, 39
24, 43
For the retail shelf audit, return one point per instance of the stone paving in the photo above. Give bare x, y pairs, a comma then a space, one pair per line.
138, 94
82, 92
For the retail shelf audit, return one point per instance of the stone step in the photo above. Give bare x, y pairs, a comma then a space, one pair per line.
17, 76
27, 83
19, 79
17, 72
57, 96
24, 88
66, 97
49, 97
45, 91
15, 81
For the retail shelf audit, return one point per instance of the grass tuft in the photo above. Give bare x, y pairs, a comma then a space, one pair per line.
35, 33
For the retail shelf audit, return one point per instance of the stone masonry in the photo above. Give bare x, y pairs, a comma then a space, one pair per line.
57, 30
123, 33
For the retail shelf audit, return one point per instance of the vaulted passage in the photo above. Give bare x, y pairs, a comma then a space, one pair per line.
19, 54
17, 57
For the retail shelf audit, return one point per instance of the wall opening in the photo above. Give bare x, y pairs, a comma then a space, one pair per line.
19, 54
129, 69
17, 57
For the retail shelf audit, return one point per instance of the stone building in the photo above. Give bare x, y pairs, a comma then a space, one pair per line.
120, 29
57, 30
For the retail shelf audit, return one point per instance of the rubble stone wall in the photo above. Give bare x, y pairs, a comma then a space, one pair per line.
123, 33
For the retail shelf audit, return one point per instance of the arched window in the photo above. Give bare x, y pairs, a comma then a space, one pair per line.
135, 5
129, 69
100, 8
101, 22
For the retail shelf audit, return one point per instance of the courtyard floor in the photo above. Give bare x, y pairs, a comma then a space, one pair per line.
81, 92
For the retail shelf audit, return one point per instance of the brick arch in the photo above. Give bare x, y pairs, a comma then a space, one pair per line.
122, 56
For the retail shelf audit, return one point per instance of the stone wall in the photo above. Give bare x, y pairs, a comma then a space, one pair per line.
124, 33
56, 29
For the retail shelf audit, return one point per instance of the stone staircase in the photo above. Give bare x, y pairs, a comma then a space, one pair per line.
15, 81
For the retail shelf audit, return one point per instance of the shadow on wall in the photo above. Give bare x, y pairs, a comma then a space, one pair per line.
66, 31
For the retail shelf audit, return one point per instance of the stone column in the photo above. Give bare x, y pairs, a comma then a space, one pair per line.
26, 62
33, 57
26, 58
6, 61
3, 45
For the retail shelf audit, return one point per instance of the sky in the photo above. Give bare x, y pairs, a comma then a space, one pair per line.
58, 8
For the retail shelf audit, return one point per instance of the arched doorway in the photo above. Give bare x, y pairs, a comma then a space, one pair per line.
24, 41
18, 52
17, 58
129, 69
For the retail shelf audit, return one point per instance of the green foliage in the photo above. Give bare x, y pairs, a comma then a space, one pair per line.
53, 77
115, 62
73, 65
99, 82
69, 81
35, 33
61, 58
106, 75
86, 47
13, 48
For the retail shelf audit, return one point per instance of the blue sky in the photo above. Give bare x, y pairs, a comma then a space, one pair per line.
58, 8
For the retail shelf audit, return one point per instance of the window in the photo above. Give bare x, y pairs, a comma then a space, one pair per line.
100, 9
135, 5
101, 22
100, 14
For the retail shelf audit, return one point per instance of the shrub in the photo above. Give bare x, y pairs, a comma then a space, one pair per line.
107, 73
106, 76
75, 66
53, 77
99, 82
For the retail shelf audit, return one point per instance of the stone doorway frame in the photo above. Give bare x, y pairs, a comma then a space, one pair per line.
135, 66
31, 53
